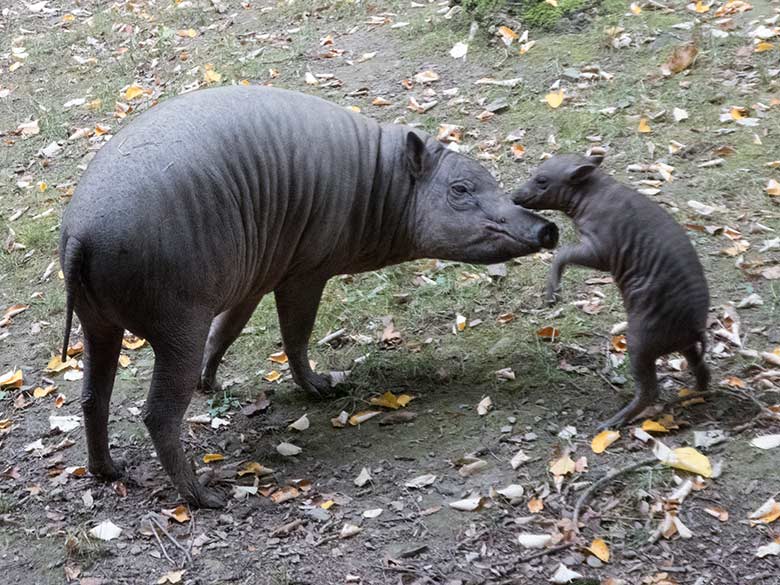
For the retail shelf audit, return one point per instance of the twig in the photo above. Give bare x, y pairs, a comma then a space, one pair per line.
331, 336
162, 546
154, 521
611, 385
725, 568
583, 499
547, 551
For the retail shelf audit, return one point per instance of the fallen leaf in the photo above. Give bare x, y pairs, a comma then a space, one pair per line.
459, 50
644, 126
426, 77
564, 575
773, 188
65, 423
390, 400
301, 424
360, 417
600, 549
212, 457
519, 458
773, 548
106, 530
619, 343
285, 494
349, 530
535, 505
133, 92
254, 468
340, 421
718, 513
554, 99
272, 376
171, 577
603, 440
680, 59
471, 504
132, 342
279, 357
562, 466
421, 481
534, 540
363, 477
288, 449
484, 406
767, 513
652, 426
12, 379
689, 459
374, 513
210, 75
766, 441
548, 333
179, 513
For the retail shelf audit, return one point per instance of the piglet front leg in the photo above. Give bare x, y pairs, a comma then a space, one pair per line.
580, 255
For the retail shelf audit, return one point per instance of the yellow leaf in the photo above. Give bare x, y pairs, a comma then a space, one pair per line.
635, 9
554, 99
43, 392
42, 186
535, 505
327, 504
255, 468
738, 112
652, 426
272, 376
188, 33
68, 18
245, 82
212, 457
603, 440
132, 342
701, 7
11, 379
404, 399
388, 400
770, 516
278, 358
689, 459
600, 549
361, 417
773, 188
133, 92
124, 361
763, 46
56, 364
353, 109
552, 3
5, 423
507, 35
179, 513
210, 75
644, 127
94, 104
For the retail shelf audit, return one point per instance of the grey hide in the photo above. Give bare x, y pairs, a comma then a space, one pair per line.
210, 200
649, 255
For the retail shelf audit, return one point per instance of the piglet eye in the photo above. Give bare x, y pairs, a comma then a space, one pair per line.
460, 189
541, 180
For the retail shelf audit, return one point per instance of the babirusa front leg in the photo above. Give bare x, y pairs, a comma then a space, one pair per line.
581, 255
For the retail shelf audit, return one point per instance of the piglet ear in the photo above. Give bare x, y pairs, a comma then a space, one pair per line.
582, 171
417, 155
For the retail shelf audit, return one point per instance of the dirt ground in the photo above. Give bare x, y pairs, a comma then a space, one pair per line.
351, 507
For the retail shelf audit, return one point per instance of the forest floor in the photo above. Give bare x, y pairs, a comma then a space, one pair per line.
371, 503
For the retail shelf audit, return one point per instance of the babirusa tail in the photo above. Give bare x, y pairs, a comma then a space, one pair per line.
71, 268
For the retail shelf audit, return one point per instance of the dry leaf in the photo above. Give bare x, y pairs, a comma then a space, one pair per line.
179, 513
680, 59
288, 449
554, 99
213, 457
426, 77
421, 481
106, 530
254, 468
471, 504
535, 505
12, 379
603, 440
301, 424
644, 127
562, 466
600, 549
534, 540
766, 441
548, 333
652, 426
360, 417
363, 477
564, 575
484, 406
172, 577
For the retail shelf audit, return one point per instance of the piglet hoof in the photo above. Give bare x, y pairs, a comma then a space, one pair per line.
108, 471
625, 416
551, 298
209, 386
204, 497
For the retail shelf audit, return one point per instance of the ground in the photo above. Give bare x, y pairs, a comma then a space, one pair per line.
73, 72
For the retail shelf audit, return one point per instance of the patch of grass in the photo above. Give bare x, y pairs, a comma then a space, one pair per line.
542, 15
6, 504
38, 234
83, 549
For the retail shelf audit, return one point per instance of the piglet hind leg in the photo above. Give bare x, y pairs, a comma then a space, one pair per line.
177, 360
580, 255
102, 344
694, 355
296, 303
646, 392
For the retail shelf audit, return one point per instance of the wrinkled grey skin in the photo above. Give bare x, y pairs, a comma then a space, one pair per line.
210, 200
651, 260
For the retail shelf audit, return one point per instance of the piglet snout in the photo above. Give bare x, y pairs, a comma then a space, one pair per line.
547, 235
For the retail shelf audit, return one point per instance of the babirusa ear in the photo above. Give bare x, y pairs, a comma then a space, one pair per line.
583, 171
416, 154
596, 159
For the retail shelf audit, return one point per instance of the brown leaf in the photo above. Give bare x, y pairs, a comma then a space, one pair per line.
680, 59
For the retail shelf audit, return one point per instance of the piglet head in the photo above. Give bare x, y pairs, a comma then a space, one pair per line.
558, 182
